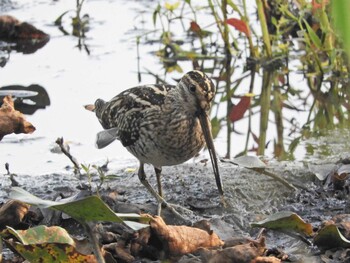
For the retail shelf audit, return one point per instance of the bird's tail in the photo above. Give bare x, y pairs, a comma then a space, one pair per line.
106, 137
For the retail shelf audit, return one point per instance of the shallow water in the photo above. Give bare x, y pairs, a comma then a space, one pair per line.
73, 78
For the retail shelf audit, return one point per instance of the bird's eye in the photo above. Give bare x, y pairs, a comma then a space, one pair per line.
192, 88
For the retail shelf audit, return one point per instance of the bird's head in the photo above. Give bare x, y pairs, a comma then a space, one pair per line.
199, 90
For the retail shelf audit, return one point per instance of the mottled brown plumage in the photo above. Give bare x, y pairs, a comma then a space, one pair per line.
161, 124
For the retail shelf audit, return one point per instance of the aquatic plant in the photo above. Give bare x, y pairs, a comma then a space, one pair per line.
272, 61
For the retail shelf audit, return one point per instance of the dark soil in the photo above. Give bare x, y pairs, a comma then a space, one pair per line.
249, 197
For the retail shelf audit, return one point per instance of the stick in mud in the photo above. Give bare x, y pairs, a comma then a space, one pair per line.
66, 152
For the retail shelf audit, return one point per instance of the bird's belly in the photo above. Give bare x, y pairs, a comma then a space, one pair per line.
171, 144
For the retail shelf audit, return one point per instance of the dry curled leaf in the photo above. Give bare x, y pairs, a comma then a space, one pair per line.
180, 240
12, 121
266, 260
12, 213
245, 253
120, 252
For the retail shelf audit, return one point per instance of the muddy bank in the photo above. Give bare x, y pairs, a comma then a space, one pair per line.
250, 197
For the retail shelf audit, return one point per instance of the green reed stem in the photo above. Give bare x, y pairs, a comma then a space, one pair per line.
265, 96
228, 59
264, 29
277, 106
265, 99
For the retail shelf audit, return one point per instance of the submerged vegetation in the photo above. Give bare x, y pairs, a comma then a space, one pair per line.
272, 62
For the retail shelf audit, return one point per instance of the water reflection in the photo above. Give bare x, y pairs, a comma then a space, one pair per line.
27, 99
79, 23
19, 36
288, 103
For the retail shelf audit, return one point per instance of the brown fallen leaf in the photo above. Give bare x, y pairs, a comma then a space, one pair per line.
245, 253
266, 260
342, 221
11, 120
120, 252
12, 213
180, 240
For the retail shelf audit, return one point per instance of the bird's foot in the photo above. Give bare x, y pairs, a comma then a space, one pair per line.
170, 207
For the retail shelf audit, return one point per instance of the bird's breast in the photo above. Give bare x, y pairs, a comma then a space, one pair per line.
168, 139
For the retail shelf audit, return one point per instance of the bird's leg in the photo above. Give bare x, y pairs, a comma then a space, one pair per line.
143, 179
160, 190
160, 200
159, 183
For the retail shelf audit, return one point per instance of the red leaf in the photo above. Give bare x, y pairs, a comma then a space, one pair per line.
281, 79
240, 25
316, 5
195, 27
255, 137
237, 111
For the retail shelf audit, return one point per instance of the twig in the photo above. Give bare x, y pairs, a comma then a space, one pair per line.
94, 242
11, 175
275, 176
66, 152
263, 171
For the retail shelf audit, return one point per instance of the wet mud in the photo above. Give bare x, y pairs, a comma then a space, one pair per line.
249, 197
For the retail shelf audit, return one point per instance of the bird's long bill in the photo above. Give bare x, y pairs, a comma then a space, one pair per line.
204, 121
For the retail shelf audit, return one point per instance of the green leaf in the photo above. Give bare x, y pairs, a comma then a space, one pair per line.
58, 21
135, 225
50, 252
285, 221
215, 126
134, 217
155, 14
172, 7
87, 209
91, 208
233, 5
22, 195
293, 145
313, 36
340, 15
45, 244
40, 234
330, 237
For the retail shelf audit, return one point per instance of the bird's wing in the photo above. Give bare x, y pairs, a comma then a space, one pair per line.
126, 111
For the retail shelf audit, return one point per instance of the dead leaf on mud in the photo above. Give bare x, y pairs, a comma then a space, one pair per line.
340, 177
179, 240
245, 253
45, 244
12, 213
119, 252
286, 221
334, 233
175, 241
11, 120
342, 221
330, 237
